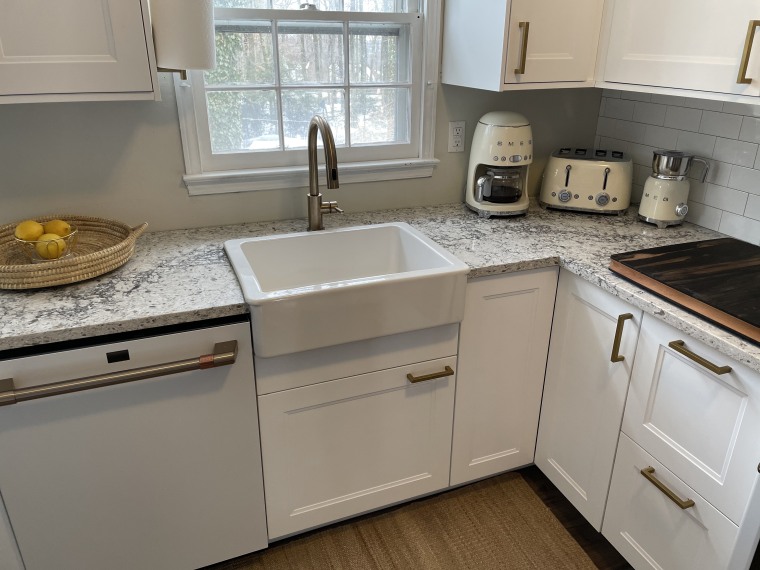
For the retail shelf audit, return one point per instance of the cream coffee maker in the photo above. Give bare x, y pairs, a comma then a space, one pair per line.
666, 191
497, 178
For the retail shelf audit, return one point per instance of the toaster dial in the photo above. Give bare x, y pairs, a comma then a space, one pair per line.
564, 196
602, 199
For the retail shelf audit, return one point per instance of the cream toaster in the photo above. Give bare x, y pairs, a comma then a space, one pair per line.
587, 180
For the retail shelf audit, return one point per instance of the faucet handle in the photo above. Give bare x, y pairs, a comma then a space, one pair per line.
331, 207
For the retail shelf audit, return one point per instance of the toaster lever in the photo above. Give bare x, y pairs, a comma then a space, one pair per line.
567, 175
606, 173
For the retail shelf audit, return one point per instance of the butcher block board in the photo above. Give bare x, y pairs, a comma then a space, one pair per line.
718, 279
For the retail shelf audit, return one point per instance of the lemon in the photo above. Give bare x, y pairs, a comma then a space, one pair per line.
50, 246
58, 227
29, 230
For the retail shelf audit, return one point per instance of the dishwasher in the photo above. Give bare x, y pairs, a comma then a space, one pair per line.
142, 453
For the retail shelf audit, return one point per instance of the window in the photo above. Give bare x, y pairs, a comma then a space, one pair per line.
367, 66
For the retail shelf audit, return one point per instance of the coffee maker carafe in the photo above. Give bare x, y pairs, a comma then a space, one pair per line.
497, 177
666, 191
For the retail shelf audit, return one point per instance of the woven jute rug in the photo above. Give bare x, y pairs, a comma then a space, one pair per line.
496, 523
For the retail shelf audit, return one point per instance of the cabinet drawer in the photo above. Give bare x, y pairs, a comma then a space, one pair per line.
650, 530
336, 449
700, 424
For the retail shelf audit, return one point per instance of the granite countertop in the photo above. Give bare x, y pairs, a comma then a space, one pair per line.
184, 276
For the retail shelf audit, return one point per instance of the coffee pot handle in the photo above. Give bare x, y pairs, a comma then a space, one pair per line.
483, 186
707, 166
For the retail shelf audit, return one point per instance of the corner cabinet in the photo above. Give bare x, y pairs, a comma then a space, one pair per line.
71, 50
502, 357
680, 44
587, 378
520, 44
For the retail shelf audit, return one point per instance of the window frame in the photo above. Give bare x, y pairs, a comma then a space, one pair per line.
223, 173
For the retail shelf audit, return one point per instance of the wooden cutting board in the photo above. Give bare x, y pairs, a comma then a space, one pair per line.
718, 279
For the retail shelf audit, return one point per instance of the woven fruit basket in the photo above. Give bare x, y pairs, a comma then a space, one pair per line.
102, 246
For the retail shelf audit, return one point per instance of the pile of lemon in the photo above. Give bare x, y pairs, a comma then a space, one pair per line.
48, 237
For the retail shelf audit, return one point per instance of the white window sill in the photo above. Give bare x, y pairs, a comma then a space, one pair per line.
298, 176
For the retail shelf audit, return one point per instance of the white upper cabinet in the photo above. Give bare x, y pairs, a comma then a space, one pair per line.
75, 50
522, 44
681, 44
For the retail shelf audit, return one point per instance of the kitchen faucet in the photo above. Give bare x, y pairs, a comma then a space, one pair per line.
316, 207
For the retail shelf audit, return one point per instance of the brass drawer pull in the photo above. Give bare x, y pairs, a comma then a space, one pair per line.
615, 356
753, 25
447, 371
649, 474
525, 29
225, 353
678, 346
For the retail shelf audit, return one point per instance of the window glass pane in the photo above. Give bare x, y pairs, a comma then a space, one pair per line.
300, 105
242, 120
311, 52
323, 5
380, 115
242, 4
243, 55
378, 53
376, 6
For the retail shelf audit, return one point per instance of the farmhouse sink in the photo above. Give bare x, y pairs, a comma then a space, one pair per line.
314, 289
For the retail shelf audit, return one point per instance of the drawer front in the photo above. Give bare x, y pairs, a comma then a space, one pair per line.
702, 425
650, 530
336, 449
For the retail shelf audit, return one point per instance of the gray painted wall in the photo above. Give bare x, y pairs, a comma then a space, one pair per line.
123, 160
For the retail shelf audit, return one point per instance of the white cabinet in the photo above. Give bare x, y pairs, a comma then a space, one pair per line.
334, 448
502, 358
71, 50
679, 44
160, 472
585, 392
520, 44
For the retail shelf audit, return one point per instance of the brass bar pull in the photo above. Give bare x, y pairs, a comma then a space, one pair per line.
678, 346
225, 353
524, 29
616, 356
682, 503
753, 25
447, 371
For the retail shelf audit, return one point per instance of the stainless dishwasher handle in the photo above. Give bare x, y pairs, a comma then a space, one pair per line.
225, 353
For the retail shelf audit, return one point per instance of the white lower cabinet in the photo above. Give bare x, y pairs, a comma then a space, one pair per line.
651, 530
585, 392
338, 448
502, 358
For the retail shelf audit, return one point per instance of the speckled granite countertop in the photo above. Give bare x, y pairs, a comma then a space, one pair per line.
184, 276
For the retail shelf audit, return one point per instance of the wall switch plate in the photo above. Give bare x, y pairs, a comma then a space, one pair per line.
456, 136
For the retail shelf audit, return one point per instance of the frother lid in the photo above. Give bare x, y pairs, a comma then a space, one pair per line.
504, 119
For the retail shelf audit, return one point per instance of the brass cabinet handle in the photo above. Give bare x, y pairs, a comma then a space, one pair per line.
615, 356
447, 371
225, 353
678, 346
753, 25
682, 503
525, 29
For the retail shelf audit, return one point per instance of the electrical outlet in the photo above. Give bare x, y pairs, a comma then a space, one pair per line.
456, 136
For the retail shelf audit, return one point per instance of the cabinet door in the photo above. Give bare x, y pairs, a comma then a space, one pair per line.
585, 393
681, 44
561, 43
502, 357
702, 425
71, 46
336, 449
653, 532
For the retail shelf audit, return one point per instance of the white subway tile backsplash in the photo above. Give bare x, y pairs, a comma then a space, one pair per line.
757, 160
726, 199
735, 152
742, 228
705, 104
720, 124
641, 173
705, 216
619, 109
745, 179
605, 127
742, 109
629, 131
701, 145
662, 137
719, 173
750, 130
611, 93
642, 154
753, 207
635, 96
684, 119
649, 113
668, 100
697, 191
